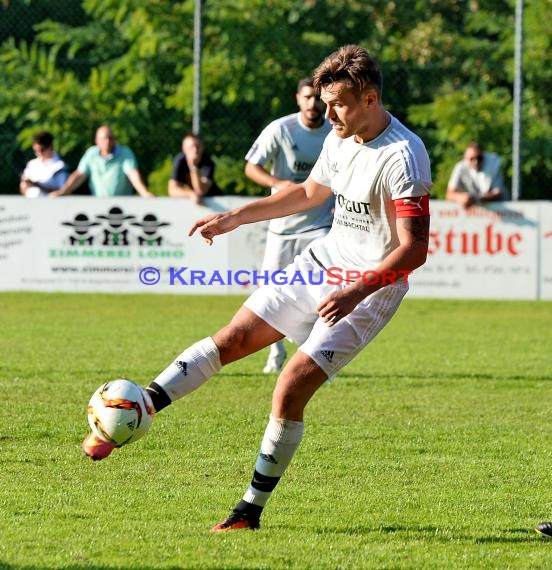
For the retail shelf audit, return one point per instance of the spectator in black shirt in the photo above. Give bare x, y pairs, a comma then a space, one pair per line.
193, 173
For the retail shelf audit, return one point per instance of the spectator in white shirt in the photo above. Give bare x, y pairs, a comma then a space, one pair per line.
45, 173
477, 178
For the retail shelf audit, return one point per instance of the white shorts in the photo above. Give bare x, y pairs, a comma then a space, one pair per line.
291, 310
280, 250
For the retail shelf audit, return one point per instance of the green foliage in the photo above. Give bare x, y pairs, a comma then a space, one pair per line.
413, 457
473, 100
449, 125
230, 177
448, 72
158, 179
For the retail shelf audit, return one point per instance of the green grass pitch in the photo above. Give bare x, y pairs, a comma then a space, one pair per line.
432, 450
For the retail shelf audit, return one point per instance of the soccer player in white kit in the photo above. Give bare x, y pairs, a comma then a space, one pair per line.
291, 146
379, 172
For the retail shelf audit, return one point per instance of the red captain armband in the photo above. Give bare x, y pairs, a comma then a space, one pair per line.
412, 207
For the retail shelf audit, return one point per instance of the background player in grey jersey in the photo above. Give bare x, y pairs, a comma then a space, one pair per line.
290, 145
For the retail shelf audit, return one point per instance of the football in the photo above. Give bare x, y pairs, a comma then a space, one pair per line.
120, 412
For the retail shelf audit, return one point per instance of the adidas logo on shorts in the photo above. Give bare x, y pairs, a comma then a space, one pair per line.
327, 354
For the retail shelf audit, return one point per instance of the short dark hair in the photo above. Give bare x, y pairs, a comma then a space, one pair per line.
354, 66
477, 146
305, 82
44, 139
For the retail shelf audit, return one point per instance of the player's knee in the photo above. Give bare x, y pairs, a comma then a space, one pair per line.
287, 402
286, 407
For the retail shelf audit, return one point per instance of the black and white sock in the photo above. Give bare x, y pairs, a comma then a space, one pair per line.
280, 442
189, 371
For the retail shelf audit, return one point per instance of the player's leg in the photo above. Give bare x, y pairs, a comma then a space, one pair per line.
245, 334
281, 251
276, 357
297, 383
321, 356
278, 254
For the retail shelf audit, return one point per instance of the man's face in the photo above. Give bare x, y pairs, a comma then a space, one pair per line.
42, 151
192, 148
310, 106
474, 157
344, 109
105, 140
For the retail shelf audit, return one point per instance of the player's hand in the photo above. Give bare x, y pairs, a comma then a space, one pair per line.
214, 225
337, 305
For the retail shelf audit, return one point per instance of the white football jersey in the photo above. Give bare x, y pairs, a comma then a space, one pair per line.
366, 179
292, 150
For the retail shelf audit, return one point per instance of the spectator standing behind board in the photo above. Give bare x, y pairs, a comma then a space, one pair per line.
44, 173
193, 173
111, 170
477, 178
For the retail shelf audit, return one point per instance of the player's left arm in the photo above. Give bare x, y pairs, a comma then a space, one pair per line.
412, 225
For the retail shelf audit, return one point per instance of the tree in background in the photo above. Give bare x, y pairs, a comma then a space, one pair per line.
16, 28
447, 66
473, 100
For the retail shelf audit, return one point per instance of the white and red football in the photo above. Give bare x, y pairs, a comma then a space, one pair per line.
120, 412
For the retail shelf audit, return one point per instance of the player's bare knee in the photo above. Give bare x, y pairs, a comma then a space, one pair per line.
285, 404
288, 398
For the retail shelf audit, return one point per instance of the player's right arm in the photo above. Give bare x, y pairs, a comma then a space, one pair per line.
295, 198
262, 177
267, 148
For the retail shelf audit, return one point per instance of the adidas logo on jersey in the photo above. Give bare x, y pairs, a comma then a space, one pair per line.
327, 354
